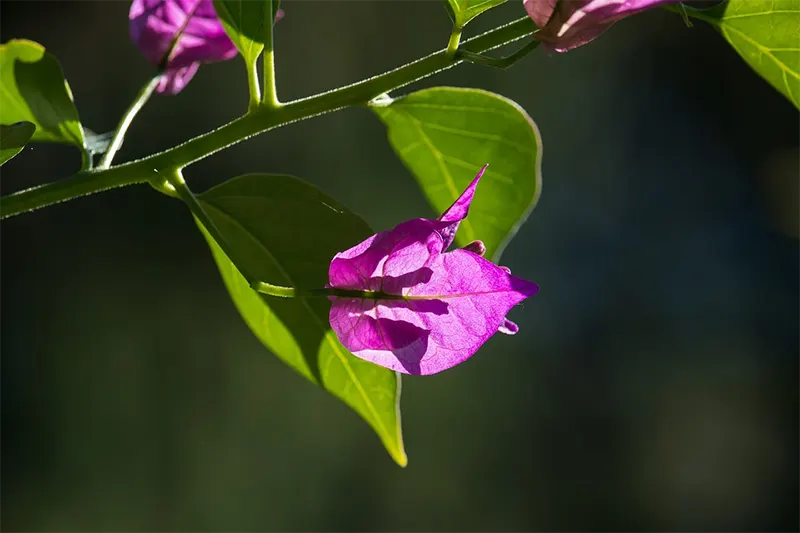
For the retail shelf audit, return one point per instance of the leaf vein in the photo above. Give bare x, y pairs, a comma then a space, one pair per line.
445, 172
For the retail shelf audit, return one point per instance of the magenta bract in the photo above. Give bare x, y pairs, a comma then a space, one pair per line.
445, 305
573, 23
155, 24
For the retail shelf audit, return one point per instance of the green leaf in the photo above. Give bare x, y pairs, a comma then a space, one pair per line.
466, 10
445, 135
244, 22
13, 139
33, 89
449, 8
766, 33
285, 231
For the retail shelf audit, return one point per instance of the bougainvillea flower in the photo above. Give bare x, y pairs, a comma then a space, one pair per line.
188, 30
424, 310
193, 27
569, 24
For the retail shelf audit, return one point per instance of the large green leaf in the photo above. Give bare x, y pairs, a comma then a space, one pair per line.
285, 232
445, 135
13, 139
766, 33
33, 89
465, 10
244, 22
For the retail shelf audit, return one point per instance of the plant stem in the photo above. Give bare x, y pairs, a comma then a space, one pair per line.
499, 62
86, 158
270, 99
685, 13
124, 124
75, 186
455, 39
252, 83
259, 121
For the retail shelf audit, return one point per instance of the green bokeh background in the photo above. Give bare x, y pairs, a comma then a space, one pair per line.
654, 381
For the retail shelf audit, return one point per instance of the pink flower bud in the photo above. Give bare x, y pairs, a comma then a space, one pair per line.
569, 24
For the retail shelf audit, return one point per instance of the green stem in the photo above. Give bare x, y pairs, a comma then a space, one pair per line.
499, 62
356, 293
455, 39
86, 158
75, 186
252, 83
270, 99
685, 13
259, 121
124, 124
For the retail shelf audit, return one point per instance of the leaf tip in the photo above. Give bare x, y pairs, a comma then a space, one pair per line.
402, 461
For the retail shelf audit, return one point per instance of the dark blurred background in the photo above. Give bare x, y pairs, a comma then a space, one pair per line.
654, 381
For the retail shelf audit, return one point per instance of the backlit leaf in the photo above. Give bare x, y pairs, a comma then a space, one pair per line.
766, 33
445, 135
285, 231
466, 10
13, 139
244, 22
34, 90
